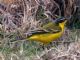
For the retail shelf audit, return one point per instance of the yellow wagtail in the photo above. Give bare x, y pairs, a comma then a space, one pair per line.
47, 37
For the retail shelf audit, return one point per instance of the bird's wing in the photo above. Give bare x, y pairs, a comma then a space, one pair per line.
48, 28
52, 27
37, 32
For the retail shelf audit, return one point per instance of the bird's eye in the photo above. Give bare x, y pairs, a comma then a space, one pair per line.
61, 21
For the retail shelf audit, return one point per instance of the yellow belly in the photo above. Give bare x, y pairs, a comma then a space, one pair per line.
46, 38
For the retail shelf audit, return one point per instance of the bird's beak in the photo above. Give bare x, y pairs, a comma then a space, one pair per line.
65, 21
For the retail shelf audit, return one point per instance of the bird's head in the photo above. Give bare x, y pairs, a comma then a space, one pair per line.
61, 22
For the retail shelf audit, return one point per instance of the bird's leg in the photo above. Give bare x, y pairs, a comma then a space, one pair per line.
38, 48
35, 47
45, 48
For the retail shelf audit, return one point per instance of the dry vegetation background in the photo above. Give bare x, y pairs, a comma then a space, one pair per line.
19, 17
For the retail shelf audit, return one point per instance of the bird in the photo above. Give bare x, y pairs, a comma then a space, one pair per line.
46, 37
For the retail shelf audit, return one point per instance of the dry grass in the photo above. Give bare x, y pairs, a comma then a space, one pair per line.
19, 17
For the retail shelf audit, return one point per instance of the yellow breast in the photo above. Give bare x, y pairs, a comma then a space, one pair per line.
46, 38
